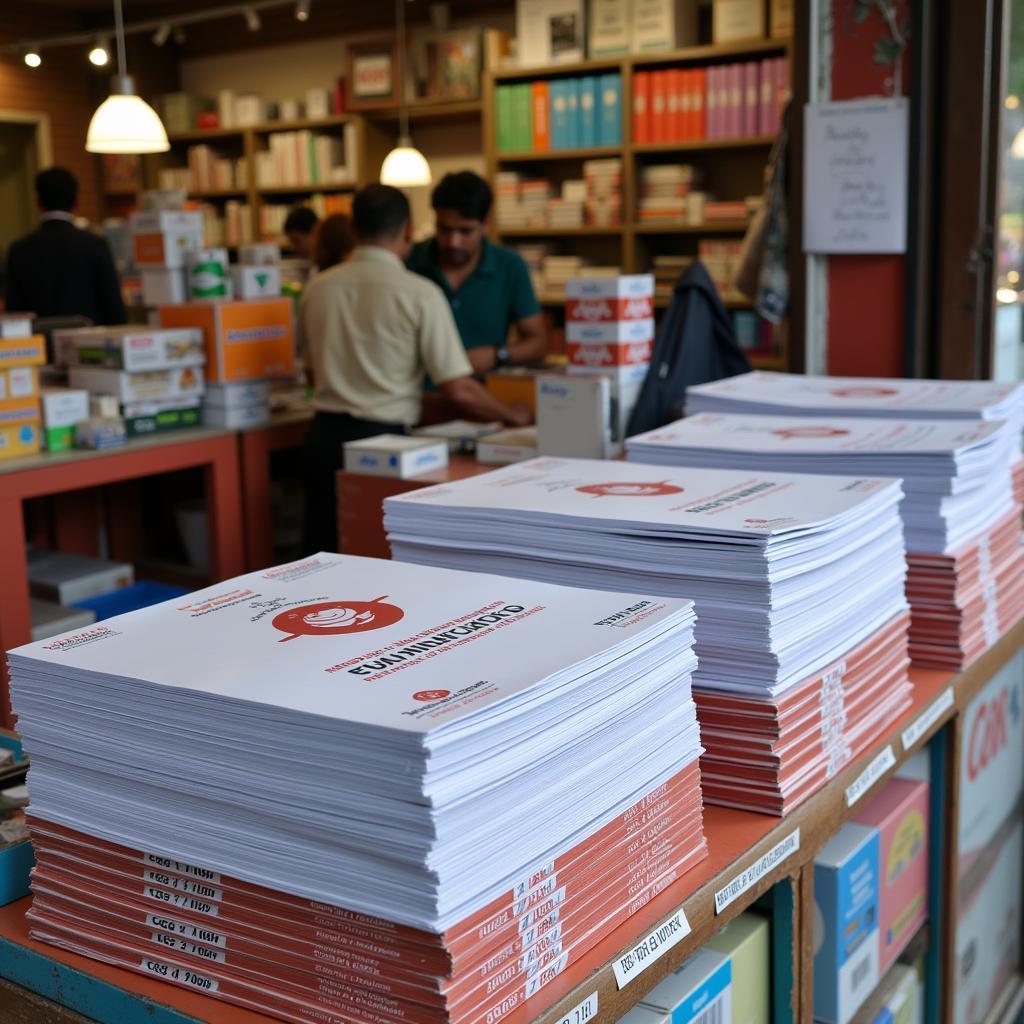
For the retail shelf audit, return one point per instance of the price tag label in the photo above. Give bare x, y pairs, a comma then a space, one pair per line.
582, 1013
926, 719
651, 948
867, 778
749, 878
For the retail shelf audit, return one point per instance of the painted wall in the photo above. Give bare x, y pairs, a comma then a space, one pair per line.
865, 293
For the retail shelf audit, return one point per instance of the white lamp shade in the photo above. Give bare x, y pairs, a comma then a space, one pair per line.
126, 124
405, 166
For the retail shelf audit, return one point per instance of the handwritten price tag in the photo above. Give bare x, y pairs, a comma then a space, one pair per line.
651, 948
749, 878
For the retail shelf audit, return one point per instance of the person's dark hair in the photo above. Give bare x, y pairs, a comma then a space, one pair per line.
56, 189
379, 211
466, 193
301, 219
334, 240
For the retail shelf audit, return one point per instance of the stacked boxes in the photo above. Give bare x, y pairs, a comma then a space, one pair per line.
248, 341
610, 328
162, 240
155, 374
19, 388
870, 893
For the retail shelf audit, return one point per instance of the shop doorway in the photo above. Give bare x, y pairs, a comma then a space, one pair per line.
24, 149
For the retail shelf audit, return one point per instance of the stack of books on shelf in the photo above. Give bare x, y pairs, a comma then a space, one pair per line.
721, 259
308, 158
521, 202
561, 114
603, 198
666, 272
206, 171
966, 567
233, 227
666, 191
728, 101
402, 854
801, 632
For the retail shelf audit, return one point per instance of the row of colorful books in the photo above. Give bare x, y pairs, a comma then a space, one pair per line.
564, 113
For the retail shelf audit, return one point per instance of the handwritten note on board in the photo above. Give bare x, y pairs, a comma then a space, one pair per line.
855, 176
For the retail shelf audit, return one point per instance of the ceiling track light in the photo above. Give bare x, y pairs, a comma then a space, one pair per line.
252, 19
32, 58
99, 55
302, 10
161, 35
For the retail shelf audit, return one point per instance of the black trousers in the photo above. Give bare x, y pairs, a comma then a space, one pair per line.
323, 456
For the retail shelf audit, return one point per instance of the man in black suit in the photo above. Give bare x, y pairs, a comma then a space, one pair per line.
59, 269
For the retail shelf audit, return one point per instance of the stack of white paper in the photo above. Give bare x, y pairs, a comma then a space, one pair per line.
790, 573
356, 788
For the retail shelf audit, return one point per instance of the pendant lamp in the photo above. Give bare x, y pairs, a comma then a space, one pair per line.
405, 166
124, 122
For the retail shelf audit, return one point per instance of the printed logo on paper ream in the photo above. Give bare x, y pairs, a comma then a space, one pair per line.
990, 732
429, 695
864, 392
73, 640
790, 432
630, 490
333, 618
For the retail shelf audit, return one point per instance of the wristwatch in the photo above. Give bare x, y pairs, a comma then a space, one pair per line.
502, 357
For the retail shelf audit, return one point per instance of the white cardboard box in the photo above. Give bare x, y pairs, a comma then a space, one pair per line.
507, 446
625, 286
134, 348
56, 576
237, 394
163, 286
15, 325
574, 416
550, 31
159, 222
236, 417
396, 455
63, 407
610, 332
733, 21
183, 382
259, 254
460, 435
664, 24
610, 27
256, 282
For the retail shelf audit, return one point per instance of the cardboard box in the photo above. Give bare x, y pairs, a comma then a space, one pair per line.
163, 238
159, 222
236, 417
237, 395
63, 409
988, 930
57, 576
395, 455
206, 271
902, 995
52, 619
259, 254
514, 384
610, 27
133, 348
29, 351
737, 20
142, 420
245, 339
899, 813
256, 282
460, 435
605, 310
664, 25
611, 332
625, 286
846, 923
18, 439
17, 383
162, 286
16, 325
601, 356
574, 416
507, 446
130, 388
701, 990
992, 765
746, 941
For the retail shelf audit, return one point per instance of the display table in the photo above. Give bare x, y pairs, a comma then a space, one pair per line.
361, 502
750, 853
214, 451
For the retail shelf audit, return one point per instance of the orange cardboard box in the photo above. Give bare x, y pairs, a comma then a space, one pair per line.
245, 340
18, 384
30, 351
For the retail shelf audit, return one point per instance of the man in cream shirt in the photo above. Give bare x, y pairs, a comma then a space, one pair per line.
369, 331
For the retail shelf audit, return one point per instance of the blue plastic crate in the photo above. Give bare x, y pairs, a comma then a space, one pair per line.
129, 599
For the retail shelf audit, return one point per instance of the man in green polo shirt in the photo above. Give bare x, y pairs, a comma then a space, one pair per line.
487, 285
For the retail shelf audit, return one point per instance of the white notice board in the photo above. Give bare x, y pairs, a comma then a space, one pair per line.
855, 176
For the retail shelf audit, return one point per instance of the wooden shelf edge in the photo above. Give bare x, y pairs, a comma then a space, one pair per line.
559, 232
587, 153
285, 190
700, 145
713, 227
614, 63
435, 111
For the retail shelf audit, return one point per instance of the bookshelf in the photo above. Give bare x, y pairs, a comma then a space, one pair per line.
733, 167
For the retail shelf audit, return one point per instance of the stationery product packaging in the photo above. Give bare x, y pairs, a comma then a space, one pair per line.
63, 409
395, 455
128, 388
133, 348
67, 579
507, 446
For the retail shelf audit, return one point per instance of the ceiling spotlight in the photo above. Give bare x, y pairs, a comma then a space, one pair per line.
32, 58
302, 10
252, 19
179, 35
161, 34
100, 53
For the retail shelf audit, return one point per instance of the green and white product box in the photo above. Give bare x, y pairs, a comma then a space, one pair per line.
131, 348
236, 417
208, 274
62, 410
130, 388
155, 417
237, 395
256, 282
